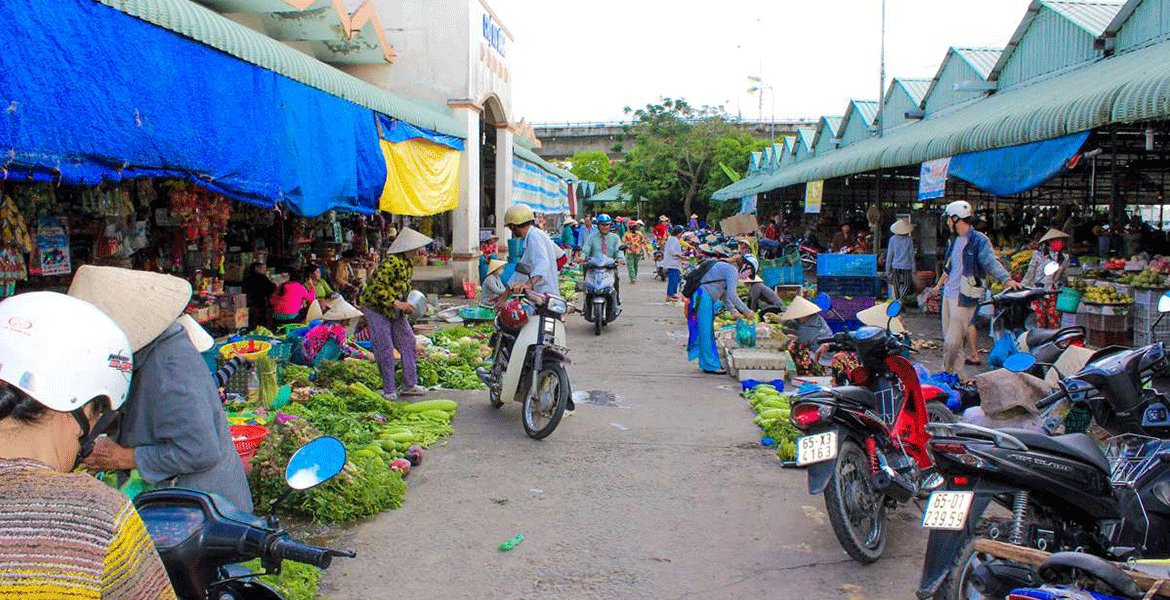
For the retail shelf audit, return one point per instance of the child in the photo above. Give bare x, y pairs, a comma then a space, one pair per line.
493, 286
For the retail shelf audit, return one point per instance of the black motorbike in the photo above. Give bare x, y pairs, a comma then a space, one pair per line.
1062, 492
201, 537
1015, 319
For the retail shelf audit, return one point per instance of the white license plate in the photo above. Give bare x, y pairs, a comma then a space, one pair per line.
816, 448
947, 510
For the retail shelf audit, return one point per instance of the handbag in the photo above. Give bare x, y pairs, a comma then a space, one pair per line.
971, 287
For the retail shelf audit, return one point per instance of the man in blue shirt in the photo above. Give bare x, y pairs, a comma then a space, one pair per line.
969, 264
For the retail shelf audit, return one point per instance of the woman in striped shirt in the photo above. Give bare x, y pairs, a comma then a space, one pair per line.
64, 369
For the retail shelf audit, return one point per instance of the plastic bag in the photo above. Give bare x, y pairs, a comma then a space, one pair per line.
745, 334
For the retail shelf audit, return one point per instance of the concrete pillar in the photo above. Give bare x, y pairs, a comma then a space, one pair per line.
465, 221
504, 141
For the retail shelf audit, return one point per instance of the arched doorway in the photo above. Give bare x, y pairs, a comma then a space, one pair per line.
494, 119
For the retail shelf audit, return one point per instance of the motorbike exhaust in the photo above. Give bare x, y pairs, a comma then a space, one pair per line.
891, 484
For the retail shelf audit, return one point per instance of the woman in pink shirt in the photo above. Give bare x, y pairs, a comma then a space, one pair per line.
291, 298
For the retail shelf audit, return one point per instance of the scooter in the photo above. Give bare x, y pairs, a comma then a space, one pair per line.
528, 365
201, 537
865, 444
601, 298
1015, 320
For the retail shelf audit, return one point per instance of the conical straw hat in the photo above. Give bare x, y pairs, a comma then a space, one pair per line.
342, 311
142, 303
799, 309
407, 240
1054, 234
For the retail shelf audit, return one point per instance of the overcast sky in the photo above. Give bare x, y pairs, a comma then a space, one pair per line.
584, 61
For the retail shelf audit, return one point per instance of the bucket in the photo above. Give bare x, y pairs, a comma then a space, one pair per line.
1068, 301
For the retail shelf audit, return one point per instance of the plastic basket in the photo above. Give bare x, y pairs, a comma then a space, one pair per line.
1141, 329
847, 265
1068, 300
837, 325
777, 384
1097, 322
247, 438
848, 286
247, 349
847, 308
1131, 456
329, 351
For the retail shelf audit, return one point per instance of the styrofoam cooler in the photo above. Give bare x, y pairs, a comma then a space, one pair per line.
1068, 319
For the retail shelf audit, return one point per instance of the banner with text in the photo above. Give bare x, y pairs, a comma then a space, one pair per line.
932, 182
812, 196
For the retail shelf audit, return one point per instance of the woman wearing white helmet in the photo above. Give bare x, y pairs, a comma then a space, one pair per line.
64, 371
970, 260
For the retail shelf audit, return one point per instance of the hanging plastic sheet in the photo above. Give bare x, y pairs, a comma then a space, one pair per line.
1016, 169
422, 169
537, 188
80, 105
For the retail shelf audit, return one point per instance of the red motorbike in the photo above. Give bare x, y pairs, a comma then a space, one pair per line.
866, 443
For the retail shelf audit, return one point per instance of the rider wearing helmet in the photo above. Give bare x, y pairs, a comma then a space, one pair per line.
604, 244
64, 372
540, 253
970, 261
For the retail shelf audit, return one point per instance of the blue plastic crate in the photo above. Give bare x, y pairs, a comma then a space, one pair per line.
854, 287
838, 325
847, 265
785, 275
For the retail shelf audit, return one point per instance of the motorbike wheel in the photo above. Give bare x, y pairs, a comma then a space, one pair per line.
958, 584
858, 515
937, 412
544, 407
597, 324
494, 397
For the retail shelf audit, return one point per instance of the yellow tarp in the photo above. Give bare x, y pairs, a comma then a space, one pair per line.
422, 178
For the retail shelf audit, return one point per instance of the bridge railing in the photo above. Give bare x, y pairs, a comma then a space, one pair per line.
795, 121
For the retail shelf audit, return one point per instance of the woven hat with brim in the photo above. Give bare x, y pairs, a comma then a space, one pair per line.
199, 336
876, 317
341, 310
1054, 234
570, 221
316, 311
902, 227
496, 265
663, 218
142, 303
799, 309
408, 240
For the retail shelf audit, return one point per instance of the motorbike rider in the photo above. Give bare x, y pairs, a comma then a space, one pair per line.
606, 244
64, 372
540, 253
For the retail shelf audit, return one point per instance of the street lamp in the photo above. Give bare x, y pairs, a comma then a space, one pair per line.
760, 86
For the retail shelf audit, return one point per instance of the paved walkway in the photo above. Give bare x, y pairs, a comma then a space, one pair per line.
656, 490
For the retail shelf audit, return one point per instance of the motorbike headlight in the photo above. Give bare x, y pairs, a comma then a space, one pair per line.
556, 305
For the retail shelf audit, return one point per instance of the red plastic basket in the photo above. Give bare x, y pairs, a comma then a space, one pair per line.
247, 438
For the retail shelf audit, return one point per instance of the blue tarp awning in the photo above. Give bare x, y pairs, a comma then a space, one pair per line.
90, 94
1016, 169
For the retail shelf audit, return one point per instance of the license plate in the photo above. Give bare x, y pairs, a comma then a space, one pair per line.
947, 510
816, 448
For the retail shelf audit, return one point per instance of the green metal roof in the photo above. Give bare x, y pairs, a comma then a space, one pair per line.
915, 88
1092, 17
980, 59
1128, 87
746, 186
613, 194
805, 136
208, 27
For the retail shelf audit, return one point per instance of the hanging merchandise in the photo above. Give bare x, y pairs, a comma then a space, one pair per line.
11, 270
13, 230
53, 247
204, 216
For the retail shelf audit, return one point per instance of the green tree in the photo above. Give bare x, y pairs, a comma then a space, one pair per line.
592, 166
676, 153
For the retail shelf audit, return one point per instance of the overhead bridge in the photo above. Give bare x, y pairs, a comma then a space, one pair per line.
561, 140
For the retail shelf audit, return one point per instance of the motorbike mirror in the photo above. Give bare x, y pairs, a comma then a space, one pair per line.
894, 309
1019, 362
523, 269
823, 301
1164, 303
315, 463
1051, 268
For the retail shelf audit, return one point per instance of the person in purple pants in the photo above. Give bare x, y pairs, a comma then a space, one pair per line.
383, 301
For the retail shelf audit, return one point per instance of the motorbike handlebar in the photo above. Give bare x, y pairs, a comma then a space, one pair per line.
1050, 400
287, 549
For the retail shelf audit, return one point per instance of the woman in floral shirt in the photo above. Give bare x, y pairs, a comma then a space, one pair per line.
383, 301
636, 247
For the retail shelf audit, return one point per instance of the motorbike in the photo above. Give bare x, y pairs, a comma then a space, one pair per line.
1062, 492
601, 304
528, 364
1015, 320
201, 537
865, 444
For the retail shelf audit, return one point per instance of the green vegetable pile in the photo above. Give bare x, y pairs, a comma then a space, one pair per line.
772, 411
455, 353
295, 582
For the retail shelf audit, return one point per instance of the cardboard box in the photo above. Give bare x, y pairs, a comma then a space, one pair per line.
233, 319
739, 225
233, 301
213, 312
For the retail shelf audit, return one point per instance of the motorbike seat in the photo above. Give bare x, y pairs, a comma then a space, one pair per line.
856, 394
1039, 337
1072, 445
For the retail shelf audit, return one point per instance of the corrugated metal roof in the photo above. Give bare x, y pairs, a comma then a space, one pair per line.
744, 187
1132, 86
805, 136
1094, 17
1121, 17
208, 27
868, 109
915, 88
980, 59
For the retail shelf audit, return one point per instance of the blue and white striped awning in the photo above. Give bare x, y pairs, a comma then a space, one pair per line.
543, 191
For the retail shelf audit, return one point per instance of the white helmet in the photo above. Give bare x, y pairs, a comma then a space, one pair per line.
960, 209
63, 351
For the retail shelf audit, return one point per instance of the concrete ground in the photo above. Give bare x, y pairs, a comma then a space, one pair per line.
655, 489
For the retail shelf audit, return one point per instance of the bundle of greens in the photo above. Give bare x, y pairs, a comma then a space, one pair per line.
772, 412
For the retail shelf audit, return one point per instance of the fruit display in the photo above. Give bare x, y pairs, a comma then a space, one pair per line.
1103, 294
1147, 279
1019, 262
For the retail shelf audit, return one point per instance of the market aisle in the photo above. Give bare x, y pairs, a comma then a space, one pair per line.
660, 493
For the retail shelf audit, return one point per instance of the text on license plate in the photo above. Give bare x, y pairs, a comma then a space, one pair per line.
816, 448
947, 510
